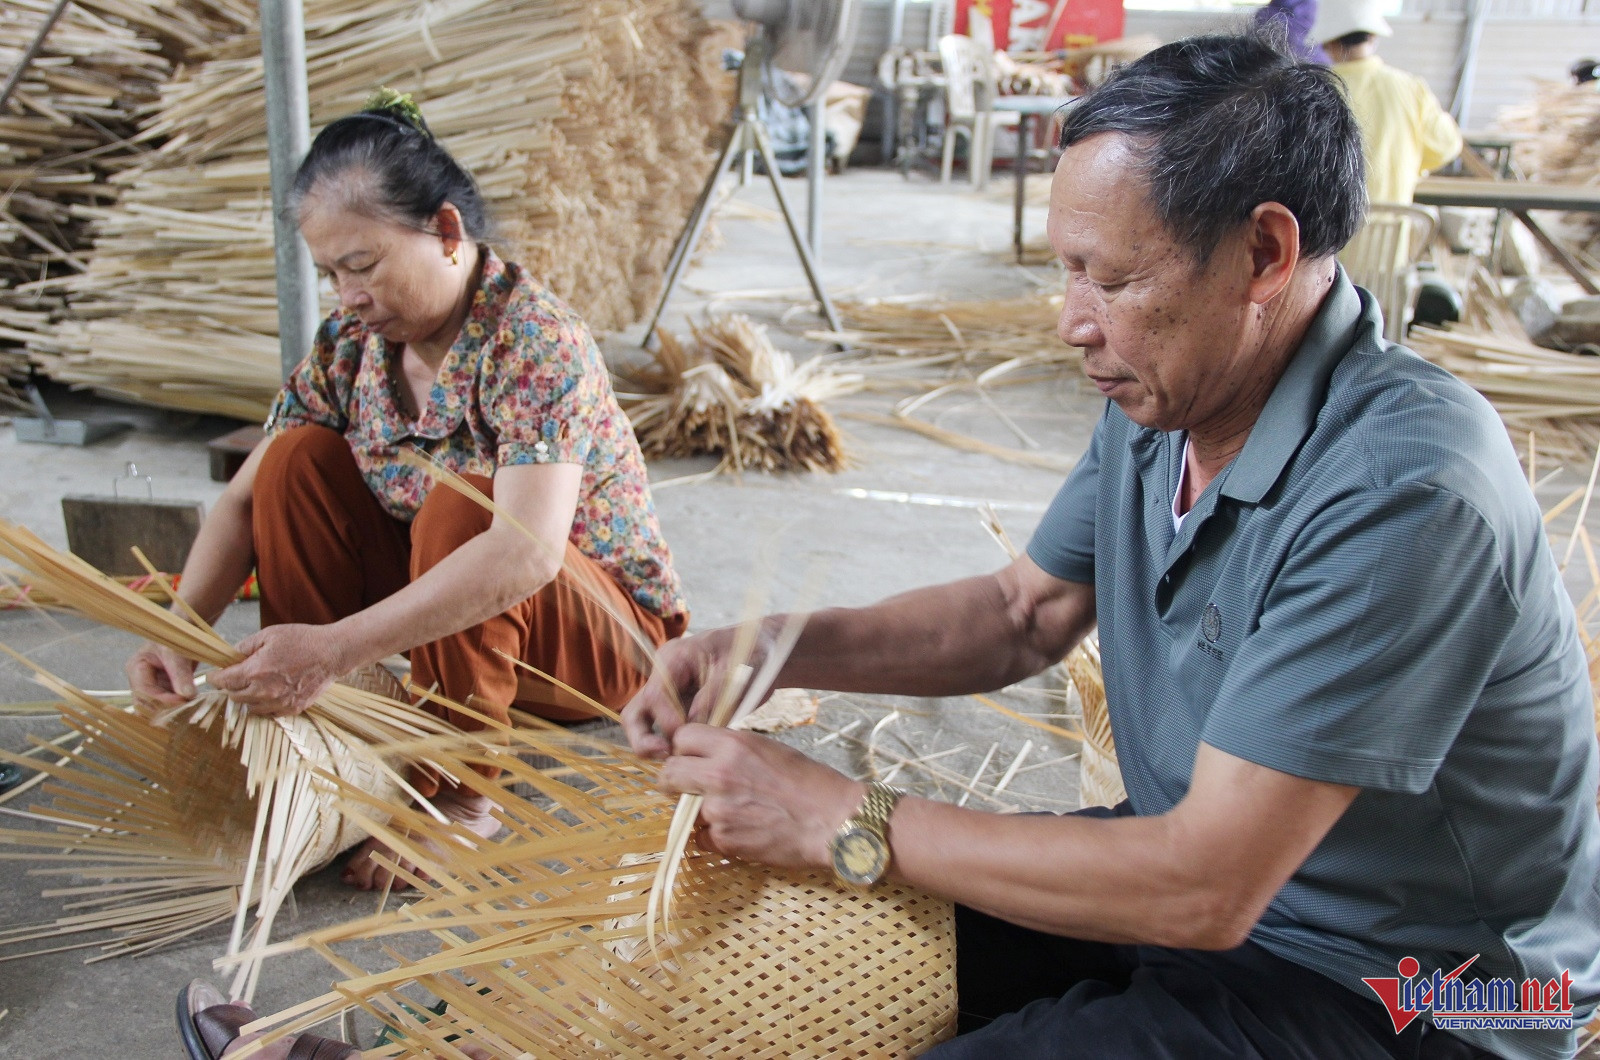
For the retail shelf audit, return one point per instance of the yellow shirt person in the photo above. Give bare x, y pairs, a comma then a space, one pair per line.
1404, 131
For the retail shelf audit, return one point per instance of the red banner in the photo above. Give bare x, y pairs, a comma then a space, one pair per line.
1042, 25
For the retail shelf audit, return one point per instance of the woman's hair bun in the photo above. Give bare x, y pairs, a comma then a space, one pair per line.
397, 106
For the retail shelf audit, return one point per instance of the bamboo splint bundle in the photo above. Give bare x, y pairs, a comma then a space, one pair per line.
543, 937
1558, 140
208, 810
913, 335
155, 587
728, 391
583, 123
65, 131
1549, 393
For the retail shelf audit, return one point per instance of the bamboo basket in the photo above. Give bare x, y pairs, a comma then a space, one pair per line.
544, 938
1099, 777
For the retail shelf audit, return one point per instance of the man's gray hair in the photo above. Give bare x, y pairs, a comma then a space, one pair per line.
1223, 123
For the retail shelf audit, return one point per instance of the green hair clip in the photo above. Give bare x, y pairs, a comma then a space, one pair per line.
398, 105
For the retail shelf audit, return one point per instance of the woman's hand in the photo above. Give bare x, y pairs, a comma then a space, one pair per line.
159, 675
696, 671
473, 812
286, 668
764, 801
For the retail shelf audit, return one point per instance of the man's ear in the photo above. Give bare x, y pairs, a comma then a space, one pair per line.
1272, 239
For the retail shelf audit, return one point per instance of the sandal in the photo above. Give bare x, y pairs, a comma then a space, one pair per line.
209, 1022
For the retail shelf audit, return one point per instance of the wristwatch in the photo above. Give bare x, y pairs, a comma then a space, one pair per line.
860, 849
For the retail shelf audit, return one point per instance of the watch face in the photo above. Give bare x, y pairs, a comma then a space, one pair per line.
859, 856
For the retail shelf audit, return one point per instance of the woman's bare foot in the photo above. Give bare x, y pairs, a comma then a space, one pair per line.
473, 812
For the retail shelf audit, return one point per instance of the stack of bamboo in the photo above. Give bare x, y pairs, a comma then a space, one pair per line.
585, 124
1547, 395
918, 333
65, 131
1558, 141
728, 391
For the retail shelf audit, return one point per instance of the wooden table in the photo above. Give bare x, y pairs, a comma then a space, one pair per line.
1507, 194
1517, 197
1027, 108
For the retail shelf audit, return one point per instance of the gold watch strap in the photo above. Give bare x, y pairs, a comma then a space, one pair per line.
878, 805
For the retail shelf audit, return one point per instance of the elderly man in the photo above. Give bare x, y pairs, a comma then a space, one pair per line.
1350, 704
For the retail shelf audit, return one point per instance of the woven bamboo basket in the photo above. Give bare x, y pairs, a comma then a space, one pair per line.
1099, 777
545, 949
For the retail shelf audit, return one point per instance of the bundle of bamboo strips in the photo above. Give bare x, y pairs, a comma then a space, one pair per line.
583, 122
1558, 141
66, 130
940, 346
17, 595
544, 937
914, 334
199, 813
1554, 396
728, 391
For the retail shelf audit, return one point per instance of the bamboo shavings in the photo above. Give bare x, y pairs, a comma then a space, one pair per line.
728, 391
916, 334
1558, 141
272, 771
581, 121
541, 937
940, 346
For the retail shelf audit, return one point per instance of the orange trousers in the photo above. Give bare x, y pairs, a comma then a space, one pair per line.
326, 548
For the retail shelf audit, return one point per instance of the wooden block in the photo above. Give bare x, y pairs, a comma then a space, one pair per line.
104, 530
229, 452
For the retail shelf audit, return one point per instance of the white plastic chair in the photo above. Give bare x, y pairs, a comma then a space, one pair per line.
1383, 257
969, 91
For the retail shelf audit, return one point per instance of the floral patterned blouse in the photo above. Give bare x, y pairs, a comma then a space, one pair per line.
523, 384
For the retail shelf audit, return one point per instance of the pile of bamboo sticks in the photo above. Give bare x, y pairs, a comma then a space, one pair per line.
911, 335
585, 124
87, 71
729, 392
1548, 395
1558, 141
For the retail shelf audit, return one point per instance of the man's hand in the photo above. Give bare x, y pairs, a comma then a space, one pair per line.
159, 675
764, 801
694, 671
286, 668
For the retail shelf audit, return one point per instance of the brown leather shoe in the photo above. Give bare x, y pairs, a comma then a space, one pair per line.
208, 1022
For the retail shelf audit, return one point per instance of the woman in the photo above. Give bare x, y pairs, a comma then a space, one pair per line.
440, 346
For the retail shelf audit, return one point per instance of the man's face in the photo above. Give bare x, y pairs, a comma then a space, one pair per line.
1164, 338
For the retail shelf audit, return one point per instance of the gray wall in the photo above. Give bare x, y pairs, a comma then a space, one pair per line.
1522, 40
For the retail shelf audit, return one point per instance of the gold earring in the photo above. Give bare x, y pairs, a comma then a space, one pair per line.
455, 257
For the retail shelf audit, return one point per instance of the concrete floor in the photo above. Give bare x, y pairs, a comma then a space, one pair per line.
856, 534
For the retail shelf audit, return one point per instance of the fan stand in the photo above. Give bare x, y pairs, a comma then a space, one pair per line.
746, 133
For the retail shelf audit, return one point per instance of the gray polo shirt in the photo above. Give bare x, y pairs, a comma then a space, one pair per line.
1365, 596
